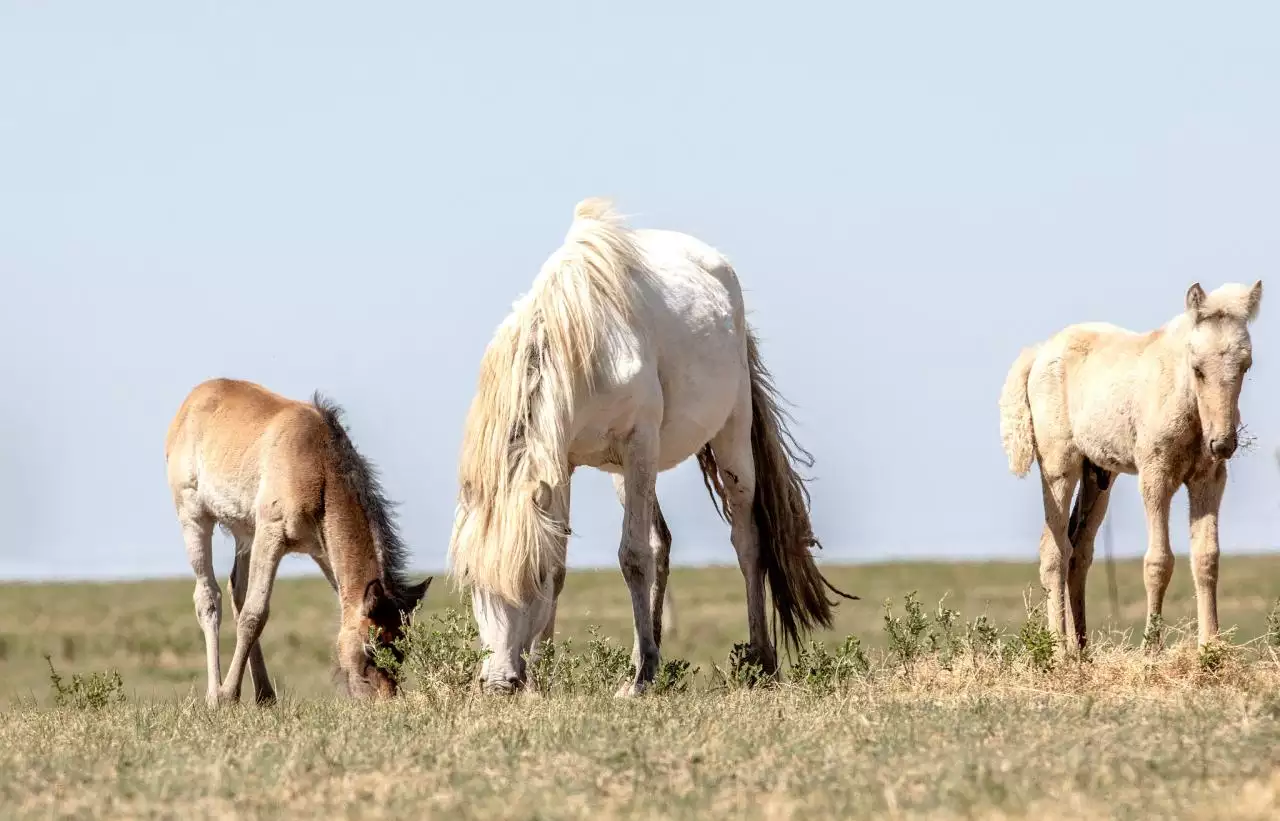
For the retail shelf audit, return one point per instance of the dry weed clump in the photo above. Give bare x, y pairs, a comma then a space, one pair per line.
926, 654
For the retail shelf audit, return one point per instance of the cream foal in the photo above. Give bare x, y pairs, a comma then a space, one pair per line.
1096, 400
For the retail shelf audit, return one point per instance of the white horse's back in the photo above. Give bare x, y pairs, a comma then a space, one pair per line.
687, 372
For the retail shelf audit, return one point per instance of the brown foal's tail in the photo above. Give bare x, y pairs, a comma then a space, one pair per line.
781, 511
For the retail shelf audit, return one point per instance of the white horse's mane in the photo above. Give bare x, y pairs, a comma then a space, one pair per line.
516, 435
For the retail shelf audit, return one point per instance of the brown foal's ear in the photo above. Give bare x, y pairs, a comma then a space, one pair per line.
374, 597
1195, 300
417, 593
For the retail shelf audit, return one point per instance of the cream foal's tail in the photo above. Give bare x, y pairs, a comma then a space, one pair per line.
1015, 414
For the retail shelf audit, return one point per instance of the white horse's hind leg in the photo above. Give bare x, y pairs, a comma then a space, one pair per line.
660, 546
635, 555
1205, 496
660, 541
263, 692
264, 558
732, 448
1055, 549
197, 533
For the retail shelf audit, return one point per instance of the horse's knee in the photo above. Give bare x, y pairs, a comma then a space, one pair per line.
636, 564
1054, 559
1157, 566
251, 620
208, 600
1081, 559
1204, 564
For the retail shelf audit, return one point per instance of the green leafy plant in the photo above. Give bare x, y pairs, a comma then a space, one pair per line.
1035, 641
439, 653
90, 692
908, 638
821, 670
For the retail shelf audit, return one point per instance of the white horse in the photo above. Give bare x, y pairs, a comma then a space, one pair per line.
1096, 400
630, 354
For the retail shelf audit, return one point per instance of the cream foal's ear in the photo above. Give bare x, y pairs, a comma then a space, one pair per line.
1195, 300
1255, 300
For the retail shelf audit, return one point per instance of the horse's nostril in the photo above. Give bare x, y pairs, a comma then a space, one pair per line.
1223, 447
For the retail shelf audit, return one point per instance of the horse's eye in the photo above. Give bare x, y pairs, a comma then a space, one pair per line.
1198, 372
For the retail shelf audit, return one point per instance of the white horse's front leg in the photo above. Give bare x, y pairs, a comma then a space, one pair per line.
660, 546
547, 633
636, 556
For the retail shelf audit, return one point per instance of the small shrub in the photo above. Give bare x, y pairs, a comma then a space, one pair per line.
1273, 626
742, 669
1035, 642
553, 665
1213, 656
818, 669
943, 641
983, 639
91, 692
908, 637
674, 676
605, 665
600, 669
438, 653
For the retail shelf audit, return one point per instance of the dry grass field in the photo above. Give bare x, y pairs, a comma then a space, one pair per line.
918, 721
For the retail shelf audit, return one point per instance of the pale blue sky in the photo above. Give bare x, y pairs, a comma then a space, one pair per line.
349, 197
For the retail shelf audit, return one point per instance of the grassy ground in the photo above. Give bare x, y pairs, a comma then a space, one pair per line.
1126, 735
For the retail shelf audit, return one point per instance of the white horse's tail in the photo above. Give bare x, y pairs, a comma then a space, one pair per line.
1015, 415
781, 511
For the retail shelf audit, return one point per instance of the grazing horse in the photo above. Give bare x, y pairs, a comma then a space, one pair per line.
1096, 400
630, 353
283, 476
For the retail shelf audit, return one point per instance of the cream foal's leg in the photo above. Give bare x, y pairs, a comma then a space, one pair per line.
1205, 496
1093, 499
264, 557
635, 555
1055, 548
197, 533
1157, 564
660, 546
263, 692
732, 447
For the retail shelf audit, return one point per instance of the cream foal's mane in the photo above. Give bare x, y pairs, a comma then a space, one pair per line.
517, 429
